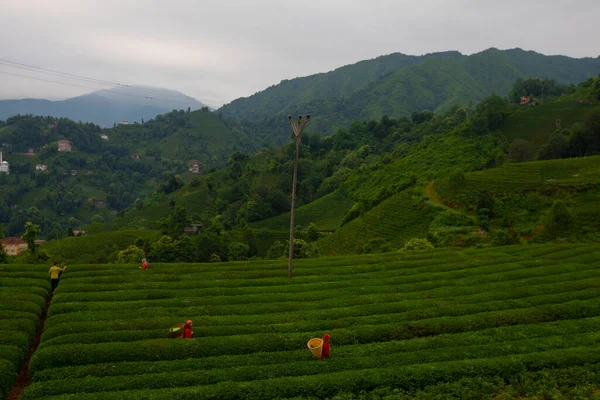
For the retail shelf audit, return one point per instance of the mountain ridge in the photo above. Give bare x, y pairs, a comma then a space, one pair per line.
104, 107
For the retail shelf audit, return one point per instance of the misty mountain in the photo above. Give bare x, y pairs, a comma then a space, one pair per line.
105, 107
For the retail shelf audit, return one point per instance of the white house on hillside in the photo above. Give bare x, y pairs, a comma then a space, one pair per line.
4, 165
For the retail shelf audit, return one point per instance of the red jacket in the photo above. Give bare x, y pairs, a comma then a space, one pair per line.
188, 333
326, 349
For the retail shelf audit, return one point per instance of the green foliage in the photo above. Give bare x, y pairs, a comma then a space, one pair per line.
559, 219
277, 250
397, 85
106, 335
313, 231
520, 151
237, 251
301, 249
456, 178
417, 244
22, 298
376, 246
131, 255
536, 87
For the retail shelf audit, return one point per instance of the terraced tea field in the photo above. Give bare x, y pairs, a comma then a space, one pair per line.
396, 220
406, 321
23, 294
526, 176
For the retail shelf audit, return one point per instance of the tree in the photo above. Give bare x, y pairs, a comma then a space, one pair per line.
556, 147
558, 220
300, 249
417, 244
456, 178
30, 236
131, 255
313, 231
237, 251
520, 150
277, 250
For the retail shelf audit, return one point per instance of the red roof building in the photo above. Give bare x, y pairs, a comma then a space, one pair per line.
13, 245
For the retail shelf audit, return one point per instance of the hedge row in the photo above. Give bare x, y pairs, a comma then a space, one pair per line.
329, 384
170, 298
532, 286
165, 349
310, 367
552, 276
410, 309
234, 280
481, 337
236, 287
7, 376
355, 316
22, 296
4, 314
13, 354
579, 382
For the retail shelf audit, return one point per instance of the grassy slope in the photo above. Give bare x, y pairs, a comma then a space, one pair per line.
404, 321
535, 124
206, 137
95, 246
327, 212
578, 178
528, 175
395, 220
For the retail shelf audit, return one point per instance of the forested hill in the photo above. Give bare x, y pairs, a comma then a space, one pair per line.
106, 170
398, 85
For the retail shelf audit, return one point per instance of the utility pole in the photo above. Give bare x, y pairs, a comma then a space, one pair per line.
297, 126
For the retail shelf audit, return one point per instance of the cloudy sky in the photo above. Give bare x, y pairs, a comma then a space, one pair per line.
219, 50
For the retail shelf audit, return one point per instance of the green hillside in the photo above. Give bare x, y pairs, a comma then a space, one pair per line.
516, 177
395, 221
435, 82
328, 210
95, 247
407, 323
198, 135
535, 124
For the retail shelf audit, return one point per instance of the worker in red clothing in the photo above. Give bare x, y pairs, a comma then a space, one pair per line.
188, 333
144, 264
326, 346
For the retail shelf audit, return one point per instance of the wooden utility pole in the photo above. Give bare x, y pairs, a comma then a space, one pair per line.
297, 126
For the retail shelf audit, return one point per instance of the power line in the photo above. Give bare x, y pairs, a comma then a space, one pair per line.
47, 80
33, 68
80, 77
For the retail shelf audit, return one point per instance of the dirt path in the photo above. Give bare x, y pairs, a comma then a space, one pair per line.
433, 197
23, 380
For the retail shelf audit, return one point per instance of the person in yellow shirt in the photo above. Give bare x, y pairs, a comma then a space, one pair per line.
55, 273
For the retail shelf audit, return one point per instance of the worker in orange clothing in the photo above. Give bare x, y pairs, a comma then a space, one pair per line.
188, 333
326, 346
55, 273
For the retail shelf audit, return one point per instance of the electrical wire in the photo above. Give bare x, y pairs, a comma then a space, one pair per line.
86, 79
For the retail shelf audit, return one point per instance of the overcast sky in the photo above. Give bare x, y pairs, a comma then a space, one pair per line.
219, 50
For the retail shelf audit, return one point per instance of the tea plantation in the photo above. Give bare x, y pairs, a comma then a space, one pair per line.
402, 321
23, 293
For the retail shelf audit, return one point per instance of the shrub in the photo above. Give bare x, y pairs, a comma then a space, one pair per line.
417, 244
237, 251
130, 255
